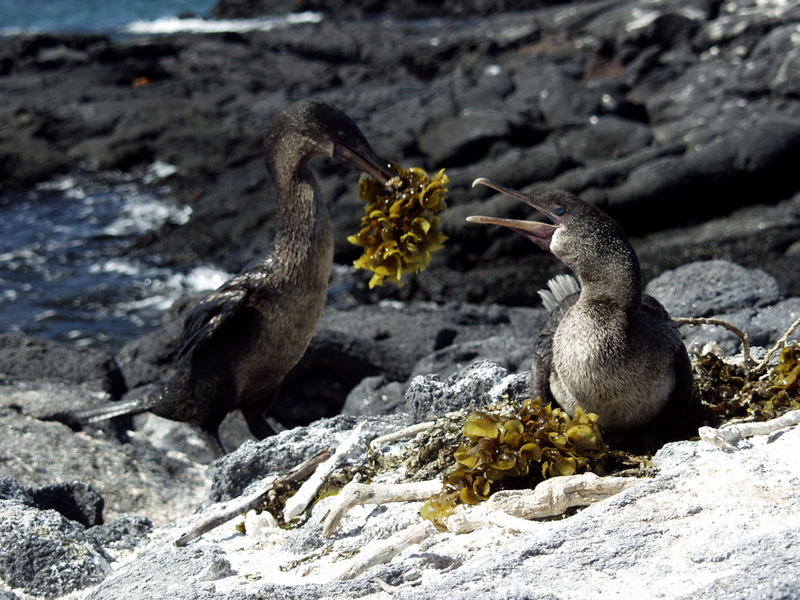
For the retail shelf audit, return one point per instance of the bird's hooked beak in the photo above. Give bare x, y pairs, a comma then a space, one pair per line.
540, 234
365, 159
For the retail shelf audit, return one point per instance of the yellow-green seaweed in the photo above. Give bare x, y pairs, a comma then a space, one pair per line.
517, 445
728, 391
400, 227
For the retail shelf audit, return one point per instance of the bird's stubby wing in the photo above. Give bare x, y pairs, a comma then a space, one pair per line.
682, 391
212, 312
543, 346
654, 305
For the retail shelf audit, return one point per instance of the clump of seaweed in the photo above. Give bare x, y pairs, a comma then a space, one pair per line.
400, 226
738, 392
516, 445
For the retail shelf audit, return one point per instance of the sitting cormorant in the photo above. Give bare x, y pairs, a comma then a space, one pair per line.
607, 347
240, 341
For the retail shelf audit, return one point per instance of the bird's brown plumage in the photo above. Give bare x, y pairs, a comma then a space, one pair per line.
240, 341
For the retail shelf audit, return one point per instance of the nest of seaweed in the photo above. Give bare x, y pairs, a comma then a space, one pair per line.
516, 445
734, 392
400, 227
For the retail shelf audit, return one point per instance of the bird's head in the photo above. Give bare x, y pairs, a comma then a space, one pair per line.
317, 128
578, 233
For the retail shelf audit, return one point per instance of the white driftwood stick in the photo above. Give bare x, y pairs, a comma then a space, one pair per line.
401, 433
551, 497
725, 437
295, 505
224, 512
382, 551
512, 523
748, 359
355, 493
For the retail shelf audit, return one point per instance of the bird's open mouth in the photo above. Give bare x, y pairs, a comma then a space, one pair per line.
539, 233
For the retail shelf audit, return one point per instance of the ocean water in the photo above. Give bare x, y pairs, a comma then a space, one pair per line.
92, 15
131, 16
64, 274
63, 270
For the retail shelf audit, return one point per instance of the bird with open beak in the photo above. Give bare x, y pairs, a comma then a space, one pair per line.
607, 347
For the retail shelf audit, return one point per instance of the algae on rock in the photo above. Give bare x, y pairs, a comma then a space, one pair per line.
735, 392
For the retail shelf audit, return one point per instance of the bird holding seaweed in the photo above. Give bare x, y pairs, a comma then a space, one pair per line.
240, 341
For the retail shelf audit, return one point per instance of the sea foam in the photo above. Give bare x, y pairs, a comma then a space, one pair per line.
197, 25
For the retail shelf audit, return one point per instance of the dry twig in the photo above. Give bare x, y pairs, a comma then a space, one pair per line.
778, 345
382, 551
219, 514
355, 493
401, 433
512, 508
694, 321
297, 504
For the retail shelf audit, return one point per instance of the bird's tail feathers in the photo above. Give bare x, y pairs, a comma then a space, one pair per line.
559, 288
94, 414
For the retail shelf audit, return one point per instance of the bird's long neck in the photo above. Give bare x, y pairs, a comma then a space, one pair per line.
305, 238
593, 335
613, 280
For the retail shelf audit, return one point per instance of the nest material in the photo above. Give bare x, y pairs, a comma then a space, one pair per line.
517, 445
400, 227
731, 392
513, 446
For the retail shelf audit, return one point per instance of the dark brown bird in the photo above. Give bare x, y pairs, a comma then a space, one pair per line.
607, 348
240, 341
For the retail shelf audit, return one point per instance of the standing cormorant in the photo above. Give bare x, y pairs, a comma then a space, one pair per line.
607, 347
240, 341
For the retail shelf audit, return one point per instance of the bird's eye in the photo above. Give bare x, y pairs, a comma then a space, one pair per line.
560, 210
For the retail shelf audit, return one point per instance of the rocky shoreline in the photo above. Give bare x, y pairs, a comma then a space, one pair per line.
681, 119
117, 497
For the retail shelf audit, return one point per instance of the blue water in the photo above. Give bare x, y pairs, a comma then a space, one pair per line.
92, 15
64, 273
63, 270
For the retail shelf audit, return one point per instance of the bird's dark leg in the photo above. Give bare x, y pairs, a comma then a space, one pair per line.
258, 424
253, 412
211, 436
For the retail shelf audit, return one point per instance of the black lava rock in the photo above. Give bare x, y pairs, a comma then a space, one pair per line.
126, 532
24, 358
75, 500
